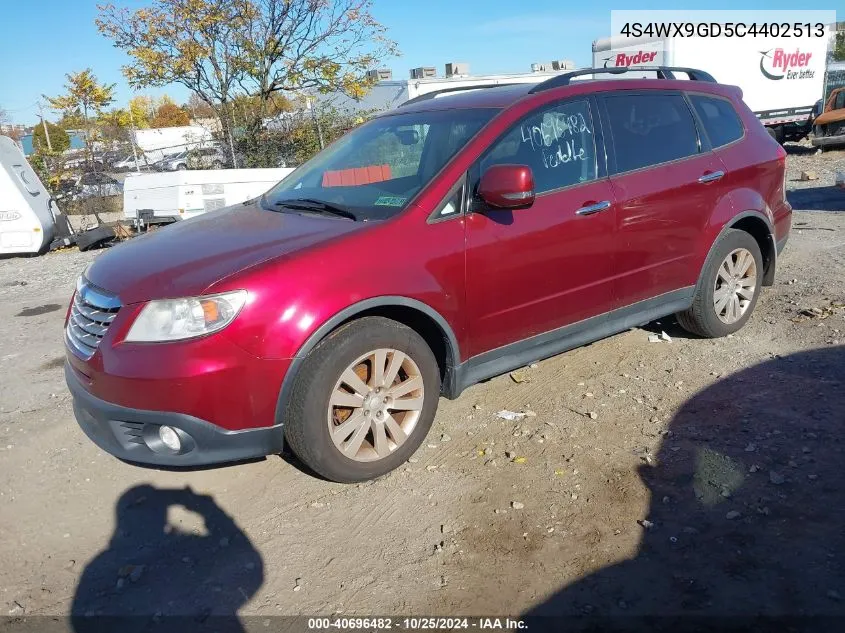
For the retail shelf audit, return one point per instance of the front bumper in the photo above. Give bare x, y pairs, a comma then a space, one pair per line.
132, 434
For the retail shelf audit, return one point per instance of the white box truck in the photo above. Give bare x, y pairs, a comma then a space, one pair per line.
781, 78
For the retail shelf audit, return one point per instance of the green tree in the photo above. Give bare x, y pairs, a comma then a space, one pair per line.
59, 139
838, 52
86, 95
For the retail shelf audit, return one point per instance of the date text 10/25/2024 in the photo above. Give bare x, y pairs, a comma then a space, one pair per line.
415, 624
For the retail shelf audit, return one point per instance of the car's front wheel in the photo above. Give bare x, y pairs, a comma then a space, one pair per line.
363, 400
728, 288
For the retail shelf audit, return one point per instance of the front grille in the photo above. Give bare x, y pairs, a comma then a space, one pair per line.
91, 313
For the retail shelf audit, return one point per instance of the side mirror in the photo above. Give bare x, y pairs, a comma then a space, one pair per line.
507, 186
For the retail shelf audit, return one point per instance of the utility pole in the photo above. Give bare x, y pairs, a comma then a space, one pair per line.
46, 131
132, 137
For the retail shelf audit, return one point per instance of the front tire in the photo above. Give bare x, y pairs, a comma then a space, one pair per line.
728, 288
363, 401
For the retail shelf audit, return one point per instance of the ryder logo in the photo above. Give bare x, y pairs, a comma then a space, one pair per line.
640, 57
777, 64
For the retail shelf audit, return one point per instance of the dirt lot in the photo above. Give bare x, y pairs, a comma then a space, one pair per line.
686, 477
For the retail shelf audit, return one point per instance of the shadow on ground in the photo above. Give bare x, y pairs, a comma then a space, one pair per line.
175, 562
817, 199
745, 526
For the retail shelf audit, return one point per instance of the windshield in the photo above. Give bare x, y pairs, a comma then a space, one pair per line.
376, 169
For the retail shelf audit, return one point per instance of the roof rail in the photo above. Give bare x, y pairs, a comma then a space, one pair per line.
663, 72
434, 93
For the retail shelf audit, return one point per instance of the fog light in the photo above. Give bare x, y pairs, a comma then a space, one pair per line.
169, 437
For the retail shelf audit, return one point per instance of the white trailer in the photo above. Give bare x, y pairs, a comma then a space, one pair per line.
170, 196
27, 224
781, 78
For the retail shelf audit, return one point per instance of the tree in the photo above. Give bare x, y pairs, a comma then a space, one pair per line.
838, 52
71, 120
84, 95
143, 110
220, 49
170, 115
115, 124
4, 117
198, 108
59, 139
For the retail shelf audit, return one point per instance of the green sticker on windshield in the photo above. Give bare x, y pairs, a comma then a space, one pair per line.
390, 201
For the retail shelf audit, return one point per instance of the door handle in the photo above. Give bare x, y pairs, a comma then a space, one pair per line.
593, 208
711, 177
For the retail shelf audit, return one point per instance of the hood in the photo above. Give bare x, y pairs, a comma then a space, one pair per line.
185, 258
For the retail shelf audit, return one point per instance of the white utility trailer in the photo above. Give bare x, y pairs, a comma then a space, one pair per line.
170, 196
27, 223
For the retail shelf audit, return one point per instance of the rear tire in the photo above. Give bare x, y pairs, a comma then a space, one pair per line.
728, 288
776, 133
322, 401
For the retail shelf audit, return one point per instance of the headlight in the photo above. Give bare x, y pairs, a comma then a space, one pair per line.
177, 319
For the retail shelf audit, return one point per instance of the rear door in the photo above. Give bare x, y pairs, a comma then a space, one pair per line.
533, 270
667, 184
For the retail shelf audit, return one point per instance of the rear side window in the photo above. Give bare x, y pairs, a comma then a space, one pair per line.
721, 122
650, 130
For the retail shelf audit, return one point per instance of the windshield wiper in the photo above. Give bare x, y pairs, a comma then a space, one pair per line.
316, 206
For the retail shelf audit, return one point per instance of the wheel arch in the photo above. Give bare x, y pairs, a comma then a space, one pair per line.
415, 314
760, 228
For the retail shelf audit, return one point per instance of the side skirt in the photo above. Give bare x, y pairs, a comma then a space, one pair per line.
503, 359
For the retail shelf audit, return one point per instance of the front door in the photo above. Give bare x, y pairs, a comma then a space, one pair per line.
533, 270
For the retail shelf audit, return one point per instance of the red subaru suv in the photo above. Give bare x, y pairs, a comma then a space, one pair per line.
462, 235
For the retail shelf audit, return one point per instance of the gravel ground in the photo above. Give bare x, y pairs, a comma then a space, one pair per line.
687, 477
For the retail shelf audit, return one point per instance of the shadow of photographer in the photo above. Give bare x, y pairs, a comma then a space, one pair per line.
176, 561
745, 525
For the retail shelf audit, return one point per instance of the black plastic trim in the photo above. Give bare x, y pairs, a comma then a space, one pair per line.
129, 433
503, 359
781, 244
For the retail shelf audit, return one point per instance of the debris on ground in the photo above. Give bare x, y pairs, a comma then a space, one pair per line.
511, 416
665, 337
519, 376
808, 175
517, 505
776, 478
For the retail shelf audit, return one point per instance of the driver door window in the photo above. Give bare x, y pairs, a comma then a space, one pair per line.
557, 143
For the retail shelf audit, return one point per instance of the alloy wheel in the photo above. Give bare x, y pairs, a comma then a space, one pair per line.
375, 405
736, 281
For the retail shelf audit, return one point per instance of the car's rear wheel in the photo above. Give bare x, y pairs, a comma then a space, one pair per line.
363, 400
728, 288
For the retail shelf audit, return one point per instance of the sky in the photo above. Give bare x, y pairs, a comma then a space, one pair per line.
43, 40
